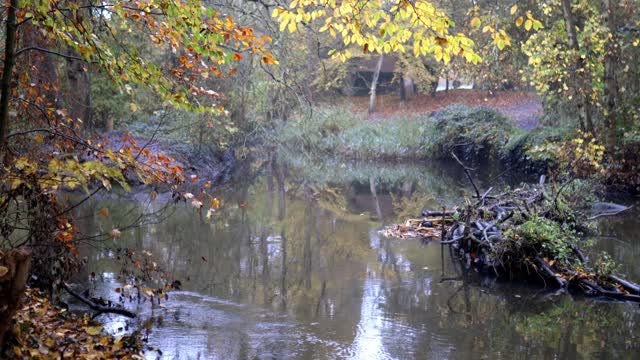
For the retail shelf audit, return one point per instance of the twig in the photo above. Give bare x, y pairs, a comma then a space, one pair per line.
468, 173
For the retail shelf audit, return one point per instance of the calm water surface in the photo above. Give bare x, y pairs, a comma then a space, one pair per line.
293, 267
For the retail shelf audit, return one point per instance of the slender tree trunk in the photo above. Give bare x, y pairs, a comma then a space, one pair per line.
610, 88
374, 85
582, 86
311, 65
403, 90
9, 61
570, 24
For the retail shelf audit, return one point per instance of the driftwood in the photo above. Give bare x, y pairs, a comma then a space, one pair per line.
14, 273
100, 309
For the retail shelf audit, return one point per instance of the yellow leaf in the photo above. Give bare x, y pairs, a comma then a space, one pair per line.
514, 8
486, 28
519, 21
528, 24
38, 138
133, 107
475, 22
3, 271
292, 26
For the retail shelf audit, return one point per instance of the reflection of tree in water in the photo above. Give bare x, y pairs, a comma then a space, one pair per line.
580, 329
481, 316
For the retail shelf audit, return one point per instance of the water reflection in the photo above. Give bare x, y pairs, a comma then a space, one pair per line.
293, 266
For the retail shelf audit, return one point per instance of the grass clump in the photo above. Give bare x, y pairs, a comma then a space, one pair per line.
332, 130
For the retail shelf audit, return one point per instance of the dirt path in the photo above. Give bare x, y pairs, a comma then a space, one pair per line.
523, 108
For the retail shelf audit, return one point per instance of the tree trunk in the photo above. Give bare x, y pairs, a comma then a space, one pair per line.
581, 87
110, 124
15, 265
311, 66
9, 61
610, 86
374, 85
403, 89
570, 24
79, 92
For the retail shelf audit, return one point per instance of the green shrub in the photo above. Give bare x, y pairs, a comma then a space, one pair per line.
470, 131
539, 237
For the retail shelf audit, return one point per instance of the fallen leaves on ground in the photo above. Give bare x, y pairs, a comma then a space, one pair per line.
44, 331
523, 108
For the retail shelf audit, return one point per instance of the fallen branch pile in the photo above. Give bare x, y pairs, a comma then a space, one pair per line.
428, 227
521, 234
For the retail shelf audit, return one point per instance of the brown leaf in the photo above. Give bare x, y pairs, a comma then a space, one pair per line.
104, 212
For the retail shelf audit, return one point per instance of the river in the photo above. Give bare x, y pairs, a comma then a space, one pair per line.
293, 266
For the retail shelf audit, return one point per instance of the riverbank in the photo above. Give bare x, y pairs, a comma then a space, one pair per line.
472, 132
42, 330
200, 165
475, 134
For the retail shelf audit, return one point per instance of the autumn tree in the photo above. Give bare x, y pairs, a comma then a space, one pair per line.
42, 146
585, 59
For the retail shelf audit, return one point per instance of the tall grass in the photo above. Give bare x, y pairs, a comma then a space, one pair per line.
336, 131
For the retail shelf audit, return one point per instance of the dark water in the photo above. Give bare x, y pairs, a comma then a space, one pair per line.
293, 267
